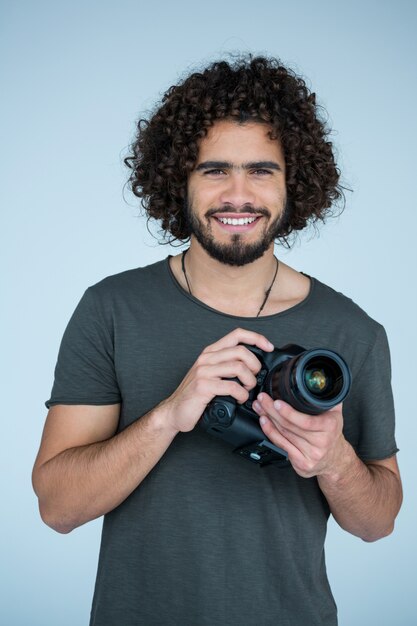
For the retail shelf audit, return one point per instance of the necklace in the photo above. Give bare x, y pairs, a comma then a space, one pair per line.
267, 292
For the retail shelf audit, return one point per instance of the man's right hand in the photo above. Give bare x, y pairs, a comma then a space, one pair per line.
84, 469
207, 378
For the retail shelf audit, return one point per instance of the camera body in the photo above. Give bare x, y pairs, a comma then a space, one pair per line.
312, 381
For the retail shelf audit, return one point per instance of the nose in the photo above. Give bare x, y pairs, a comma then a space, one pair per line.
237, 190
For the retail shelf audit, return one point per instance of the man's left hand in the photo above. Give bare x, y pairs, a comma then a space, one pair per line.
315, 443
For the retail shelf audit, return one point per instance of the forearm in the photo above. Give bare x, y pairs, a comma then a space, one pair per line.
83, 483
364, 499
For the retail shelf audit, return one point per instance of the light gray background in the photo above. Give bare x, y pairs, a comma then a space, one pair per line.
74, 78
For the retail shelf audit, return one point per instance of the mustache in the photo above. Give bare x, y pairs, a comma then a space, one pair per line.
247, 208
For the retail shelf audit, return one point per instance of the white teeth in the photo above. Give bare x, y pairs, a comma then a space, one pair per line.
233, 221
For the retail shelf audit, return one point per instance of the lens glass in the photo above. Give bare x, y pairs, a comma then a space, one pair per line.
316, 380
323, 378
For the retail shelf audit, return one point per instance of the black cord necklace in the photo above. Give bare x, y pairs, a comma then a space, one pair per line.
267, 292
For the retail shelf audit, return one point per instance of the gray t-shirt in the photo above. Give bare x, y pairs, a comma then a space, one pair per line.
209, 538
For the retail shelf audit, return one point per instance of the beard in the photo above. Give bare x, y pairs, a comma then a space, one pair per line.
236, 252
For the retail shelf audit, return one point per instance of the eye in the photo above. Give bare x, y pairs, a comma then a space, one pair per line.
213, 172
261, 172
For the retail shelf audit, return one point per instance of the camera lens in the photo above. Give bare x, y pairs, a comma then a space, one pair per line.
316, 380
323, 377
312, 382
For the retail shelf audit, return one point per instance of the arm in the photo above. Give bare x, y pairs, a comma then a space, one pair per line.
363, 498
84, 470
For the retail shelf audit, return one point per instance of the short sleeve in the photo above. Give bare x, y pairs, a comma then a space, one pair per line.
85, 372
369, 408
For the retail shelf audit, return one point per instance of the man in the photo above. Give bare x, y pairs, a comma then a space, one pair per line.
234, 158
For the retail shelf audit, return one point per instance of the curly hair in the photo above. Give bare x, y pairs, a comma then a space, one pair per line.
165, 148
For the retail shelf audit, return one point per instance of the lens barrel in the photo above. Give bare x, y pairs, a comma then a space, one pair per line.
312, 382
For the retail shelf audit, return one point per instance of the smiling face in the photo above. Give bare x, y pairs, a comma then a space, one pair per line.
237, 192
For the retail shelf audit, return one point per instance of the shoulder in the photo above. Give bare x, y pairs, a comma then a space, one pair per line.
129, 282
343, 312
128, 292
130, 277
330, 296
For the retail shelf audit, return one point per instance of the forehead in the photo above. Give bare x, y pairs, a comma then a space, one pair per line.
230, 140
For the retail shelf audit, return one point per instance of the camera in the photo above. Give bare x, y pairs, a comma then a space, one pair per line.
312, 381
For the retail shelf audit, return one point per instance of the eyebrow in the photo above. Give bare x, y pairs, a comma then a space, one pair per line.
226, 165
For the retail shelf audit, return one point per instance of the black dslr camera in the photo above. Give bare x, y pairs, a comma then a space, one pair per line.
312, 381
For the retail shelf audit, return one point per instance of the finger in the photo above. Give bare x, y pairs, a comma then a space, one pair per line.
277, 438
302, 463
300, 441
240, 335
303, 424
230, 388
336, 409
286, 415
310, 422
300, 452
234, 369
285, 427
231, 354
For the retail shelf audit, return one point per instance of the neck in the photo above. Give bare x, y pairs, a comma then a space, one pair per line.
212, 280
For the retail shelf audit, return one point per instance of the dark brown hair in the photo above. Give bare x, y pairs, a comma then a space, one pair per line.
165, 148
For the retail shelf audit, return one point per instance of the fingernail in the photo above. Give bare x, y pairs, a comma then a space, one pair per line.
256, 405
277, 405
271, 345
263, 420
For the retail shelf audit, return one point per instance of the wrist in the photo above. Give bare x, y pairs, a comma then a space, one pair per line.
343, 464
161, 420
